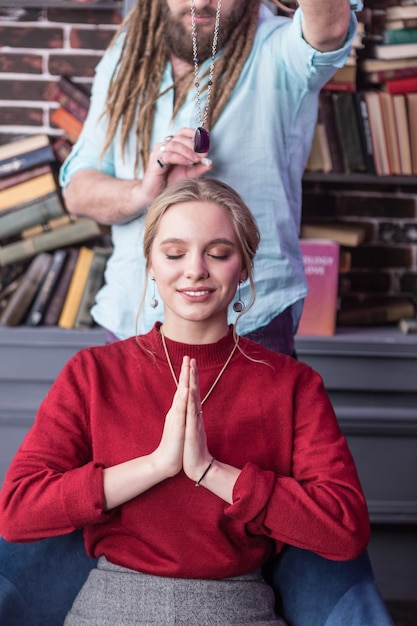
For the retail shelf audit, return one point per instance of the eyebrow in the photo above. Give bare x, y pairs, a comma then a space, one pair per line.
221, 240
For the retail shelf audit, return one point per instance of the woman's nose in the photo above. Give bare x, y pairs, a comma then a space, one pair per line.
197, 268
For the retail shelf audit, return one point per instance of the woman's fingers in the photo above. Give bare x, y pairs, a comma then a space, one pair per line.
196, 453
171, 447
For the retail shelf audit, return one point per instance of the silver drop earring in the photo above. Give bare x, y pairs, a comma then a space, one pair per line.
239, 305
154, 301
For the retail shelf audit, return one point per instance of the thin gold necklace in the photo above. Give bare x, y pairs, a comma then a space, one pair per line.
229, 358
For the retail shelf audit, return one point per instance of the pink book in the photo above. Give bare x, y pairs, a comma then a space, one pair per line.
321, 264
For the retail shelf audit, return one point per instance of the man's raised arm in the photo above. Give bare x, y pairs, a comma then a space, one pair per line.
325, 23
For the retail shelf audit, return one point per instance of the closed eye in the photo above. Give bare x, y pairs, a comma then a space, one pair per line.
220, 257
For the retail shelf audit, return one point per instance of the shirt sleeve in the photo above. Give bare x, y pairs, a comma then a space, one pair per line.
52, 485
320, 506
302, 60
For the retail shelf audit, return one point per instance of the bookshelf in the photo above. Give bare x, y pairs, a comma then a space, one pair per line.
359, 179
382, 268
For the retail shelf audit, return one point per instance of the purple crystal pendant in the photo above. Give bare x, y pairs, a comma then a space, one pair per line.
201, 140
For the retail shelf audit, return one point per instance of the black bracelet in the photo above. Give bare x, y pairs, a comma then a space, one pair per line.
205, 472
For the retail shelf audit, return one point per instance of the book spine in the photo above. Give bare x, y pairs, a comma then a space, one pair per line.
348, 130
71, 105
11, 274
81, 230
38, 212
365, 131
21, 177
401, 12
403, 35
333, 85
380, 76
94, 282
67, 86
65, 120
21, 146
379, 140
401, 122
44, 294
62, 147
54, 307
76, 288
28, 191
391, 134
395, 51
402, 85
26, 160
28, 286
328, 120
52, 224
321, 265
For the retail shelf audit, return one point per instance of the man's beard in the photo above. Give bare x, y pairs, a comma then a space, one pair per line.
178, 38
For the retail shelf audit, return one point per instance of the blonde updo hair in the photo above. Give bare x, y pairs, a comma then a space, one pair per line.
217, 192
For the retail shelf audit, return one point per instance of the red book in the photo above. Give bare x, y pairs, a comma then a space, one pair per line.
333, 85
401, 85
61, 147
68, 122
71, 105
321, 265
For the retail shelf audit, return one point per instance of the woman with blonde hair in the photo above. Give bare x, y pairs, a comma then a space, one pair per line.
189, 456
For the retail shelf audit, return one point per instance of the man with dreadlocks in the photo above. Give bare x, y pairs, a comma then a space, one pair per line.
249, 81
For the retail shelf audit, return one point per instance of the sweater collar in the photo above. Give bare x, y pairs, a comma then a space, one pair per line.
205, 354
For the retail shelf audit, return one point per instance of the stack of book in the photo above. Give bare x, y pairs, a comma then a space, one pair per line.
327, 248
342, 140
389, 74
41, 245
56, 288
69, 116
371, 126
391, 49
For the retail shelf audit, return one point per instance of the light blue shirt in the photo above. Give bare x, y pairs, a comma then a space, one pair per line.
260, 145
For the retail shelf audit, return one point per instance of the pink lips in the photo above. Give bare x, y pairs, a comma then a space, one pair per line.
196, 295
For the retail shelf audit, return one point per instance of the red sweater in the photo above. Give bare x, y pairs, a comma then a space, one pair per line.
272, 418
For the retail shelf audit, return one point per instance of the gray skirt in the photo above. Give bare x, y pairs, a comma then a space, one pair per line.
117, 595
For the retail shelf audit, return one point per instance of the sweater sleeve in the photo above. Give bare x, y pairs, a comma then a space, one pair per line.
52, 485
320, 506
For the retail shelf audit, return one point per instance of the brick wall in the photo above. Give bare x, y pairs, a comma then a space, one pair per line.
37, 46
385, 264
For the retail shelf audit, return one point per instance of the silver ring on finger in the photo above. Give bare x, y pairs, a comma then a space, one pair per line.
168, 138
162, 149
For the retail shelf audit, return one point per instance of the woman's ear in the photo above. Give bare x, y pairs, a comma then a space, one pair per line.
243, 275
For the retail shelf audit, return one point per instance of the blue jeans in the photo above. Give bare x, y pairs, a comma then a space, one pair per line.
39, 581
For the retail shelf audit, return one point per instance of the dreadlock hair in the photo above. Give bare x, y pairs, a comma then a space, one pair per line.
134, 86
